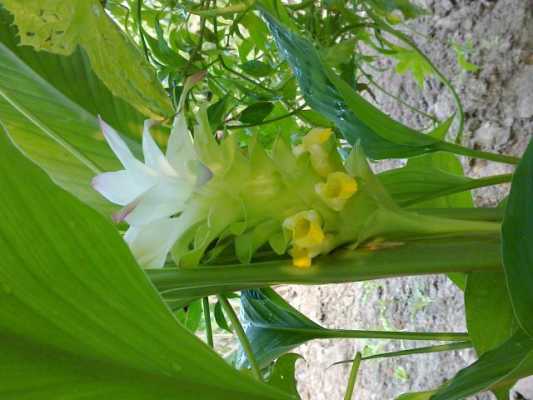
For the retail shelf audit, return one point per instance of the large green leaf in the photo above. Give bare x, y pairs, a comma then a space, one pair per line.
517, 233
73, 77
274, 328
495, 369
357, 119
59, 27
48, 106
489, 314
79, 319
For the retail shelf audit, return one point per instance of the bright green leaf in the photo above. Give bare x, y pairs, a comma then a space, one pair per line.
517, 233
59, 27
79, 319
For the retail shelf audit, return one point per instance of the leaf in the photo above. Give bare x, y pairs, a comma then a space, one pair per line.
357, 119
190, 316
406, 7
517, 234
283, 373
217, 111
220, 318
496, 368
48, 106
430, 176
79, 319
412, 61
489, 314
257, 68
271, 326
59, 27
416, 396
256, 113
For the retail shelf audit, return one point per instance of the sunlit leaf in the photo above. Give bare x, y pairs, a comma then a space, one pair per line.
59, 27
79, 319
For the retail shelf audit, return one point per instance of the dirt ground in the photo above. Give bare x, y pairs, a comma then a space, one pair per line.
498, 102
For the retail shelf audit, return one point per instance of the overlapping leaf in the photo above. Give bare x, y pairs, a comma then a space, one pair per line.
79, 319
517, 237
60, 26
48, 106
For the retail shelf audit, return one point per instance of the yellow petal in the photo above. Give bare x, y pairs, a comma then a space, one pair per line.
300, 257
337, 189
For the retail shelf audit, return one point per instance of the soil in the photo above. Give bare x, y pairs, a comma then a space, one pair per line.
498, 105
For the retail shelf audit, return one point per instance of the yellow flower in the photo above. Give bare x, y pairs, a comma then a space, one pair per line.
337, 189
300, 257
306, 229
313, 143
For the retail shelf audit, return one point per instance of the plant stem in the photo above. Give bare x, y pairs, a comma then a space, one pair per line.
471, 184
239, 331
419, 350
417, 257
207, 319
470, 214
267, 121
465, 151
141, 31
363, 334
353, 376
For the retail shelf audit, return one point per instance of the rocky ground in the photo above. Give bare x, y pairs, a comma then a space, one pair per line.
498, 103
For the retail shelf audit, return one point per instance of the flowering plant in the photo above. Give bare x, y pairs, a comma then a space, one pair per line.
253, 169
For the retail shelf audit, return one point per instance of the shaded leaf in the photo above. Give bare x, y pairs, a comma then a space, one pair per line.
257, 112
257, 68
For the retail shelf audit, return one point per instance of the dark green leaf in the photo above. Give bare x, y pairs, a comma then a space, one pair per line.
272, 326
217, 111
256, 112
257, 68
416, 396
220, 318
79, 319
517, 233
357, 119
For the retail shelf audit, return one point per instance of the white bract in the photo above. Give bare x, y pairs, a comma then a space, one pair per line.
153, 193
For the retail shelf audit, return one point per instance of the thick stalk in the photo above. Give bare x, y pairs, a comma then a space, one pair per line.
421, 257
470, 214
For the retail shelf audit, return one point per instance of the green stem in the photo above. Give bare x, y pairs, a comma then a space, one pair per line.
232, 9
141, 31
419, 257
469, 185
241, 335
407, 40
465, 151
397, 98
469, 214
363, 334
353, 376
268, 121
419, 350
207, 319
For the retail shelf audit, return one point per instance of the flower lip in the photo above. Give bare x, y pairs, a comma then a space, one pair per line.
337, 189
306, 228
